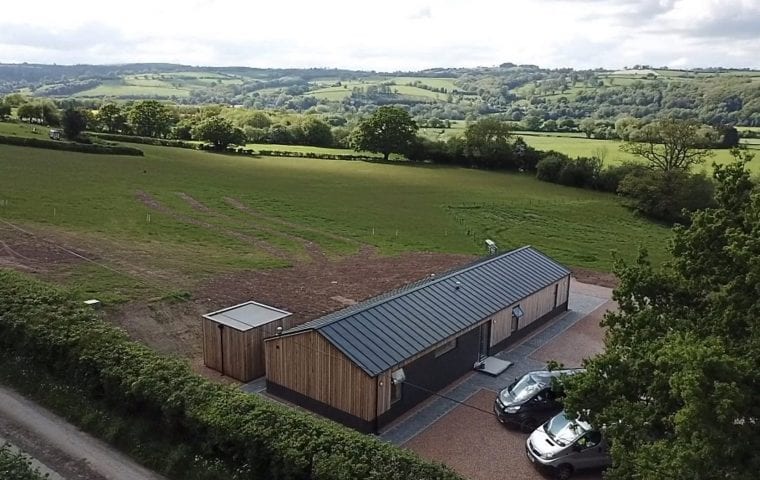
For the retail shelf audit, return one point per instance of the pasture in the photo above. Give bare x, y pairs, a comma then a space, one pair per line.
176, 217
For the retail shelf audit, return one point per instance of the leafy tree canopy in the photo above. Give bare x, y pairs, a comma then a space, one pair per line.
219, 131
388, 130
74, 122
671, 144
150, 118
677, 389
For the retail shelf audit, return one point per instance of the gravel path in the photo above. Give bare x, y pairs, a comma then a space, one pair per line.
62, 447
471, 441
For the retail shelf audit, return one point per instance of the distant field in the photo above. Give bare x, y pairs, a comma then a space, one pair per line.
134, 87
576, 147
447, 83
101, 204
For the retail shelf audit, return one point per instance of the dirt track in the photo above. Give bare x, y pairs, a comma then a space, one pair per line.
63, 448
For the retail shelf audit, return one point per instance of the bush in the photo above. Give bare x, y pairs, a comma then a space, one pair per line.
69, 147
55, 334
15, 466
670, 196
610, 177
549, 168
581, 172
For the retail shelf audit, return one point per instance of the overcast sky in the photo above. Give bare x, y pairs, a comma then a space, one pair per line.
385, 35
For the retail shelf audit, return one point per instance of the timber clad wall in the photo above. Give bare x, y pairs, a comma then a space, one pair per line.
534, 307
227, 350
308, 364
243, 351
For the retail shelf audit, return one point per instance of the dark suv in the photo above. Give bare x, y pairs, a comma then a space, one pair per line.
530, 400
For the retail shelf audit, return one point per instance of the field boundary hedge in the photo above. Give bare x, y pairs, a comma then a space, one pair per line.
261, 439
159, 142
17, 466
70, 147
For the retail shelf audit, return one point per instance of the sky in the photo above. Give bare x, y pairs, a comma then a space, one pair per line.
388, 35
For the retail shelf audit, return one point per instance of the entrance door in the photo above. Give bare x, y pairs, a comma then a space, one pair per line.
485, 340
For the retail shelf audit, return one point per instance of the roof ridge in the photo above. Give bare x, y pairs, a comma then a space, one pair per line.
403, 290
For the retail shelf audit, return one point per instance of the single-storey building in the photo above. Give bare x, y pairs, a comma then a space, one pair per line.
367, 364
233, 338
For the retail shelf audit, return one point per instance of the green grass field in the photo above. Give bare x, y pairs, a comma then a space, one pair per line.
134, 87
92, 200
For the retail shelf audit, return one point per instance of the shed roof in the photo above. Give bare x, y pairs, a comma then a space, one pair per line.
247, 315
382, 332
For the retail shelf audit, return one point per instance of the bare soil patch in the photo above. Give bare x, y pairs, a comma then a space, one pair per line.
308, 289
26, 251
603, 279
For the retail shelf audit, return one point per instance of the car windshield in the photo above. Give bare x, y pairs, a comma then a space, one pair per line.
562, 430
525, 388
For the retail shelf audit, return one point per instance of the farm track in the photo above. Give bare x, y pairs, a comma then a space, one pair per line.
315, 252
61, 446
255, 213
151, 202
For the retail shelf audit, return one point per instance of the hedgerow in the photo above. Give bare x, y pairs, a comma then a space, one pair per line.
161, 142
265, 440
69, 146
16, 466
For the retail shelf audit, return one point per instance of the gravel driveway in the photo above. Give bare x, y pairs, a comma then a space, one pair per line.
477, 446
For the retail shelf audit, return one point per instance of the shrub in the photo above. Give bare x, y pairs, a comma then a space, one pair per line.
15, 466
667, 196
610, 177
581, 172
70, 147
549, 168
55, 334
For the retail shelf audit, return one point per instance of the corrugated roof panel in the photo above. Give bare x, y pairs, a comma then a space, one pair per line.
386, 330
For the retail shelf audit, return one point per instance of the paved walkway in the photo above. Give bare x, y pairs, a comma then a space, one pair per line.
584, 299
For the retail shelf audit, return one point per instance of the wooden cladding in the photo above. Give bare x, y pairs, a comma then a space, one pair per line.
308, 364
235, 353
534, 307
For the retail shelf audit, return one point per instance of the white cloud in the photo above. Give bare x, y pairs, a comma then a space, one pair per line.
390, 35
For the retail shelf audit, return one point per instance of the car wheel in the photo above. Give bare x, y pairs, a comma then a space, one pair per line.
528, 425
564, 472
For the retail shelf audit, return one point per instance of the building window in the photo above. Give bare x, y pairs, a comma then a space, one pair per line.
556, 294
446, 347
517, 312
396, 389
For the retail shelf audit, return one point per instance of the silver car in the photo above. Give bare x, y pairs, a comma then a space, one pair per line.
565, 446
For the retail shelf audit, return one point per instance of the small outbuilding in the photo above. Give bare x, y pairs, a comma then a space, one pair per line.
233, 338
369, 363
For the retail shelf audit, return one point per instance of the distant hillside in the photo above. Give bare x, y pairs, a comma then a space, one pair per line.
525, 93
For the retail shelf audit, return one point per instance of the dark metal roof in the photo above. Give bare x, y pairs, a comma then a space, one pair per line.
382, 332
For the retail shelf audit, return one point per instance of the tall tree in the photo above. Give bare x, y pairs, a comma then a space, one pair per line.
74, 122
677, 389
150, 118
219, 131
388, 130
671, 144
112, 117
487, 142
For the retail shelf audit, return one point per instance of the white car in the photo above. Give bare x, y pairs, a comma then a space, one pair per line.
565, 446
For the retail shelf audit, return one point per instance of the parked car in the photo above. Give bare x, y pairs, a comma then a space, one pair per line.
565, 446
530, 400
